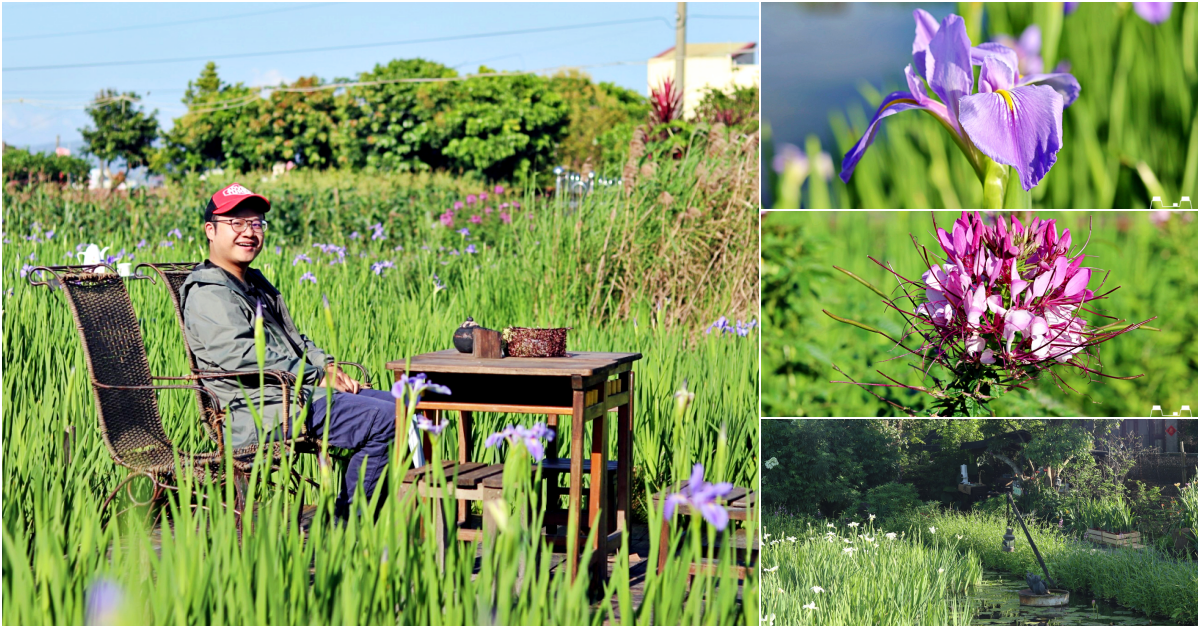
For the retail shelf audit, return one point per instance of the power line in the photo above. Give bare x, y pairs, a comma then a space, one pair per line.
256, 92
158, 24
524, 31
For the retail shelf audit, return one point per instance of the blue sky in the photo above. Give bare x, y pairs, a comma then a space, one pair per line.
226, 29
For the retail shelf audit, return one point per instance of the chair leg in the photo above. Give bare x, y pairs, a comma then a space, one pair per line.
664, 544
439, 530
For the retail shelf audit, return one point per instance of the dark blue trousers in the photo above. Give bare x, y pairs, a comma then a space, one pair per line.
364, 423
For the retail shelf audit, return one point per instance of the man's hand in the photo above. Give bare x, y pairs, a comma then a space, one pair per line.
341, 381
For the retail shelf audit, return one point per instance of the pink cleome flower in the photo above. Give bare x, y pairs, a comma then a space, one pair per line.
1010, 293
475, 219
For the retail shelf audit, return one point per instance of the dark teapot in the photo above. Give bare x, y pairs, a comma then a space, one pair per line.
464, 340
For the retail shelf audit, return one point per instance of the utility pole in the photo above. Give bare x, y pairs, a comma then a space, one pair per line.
680, 46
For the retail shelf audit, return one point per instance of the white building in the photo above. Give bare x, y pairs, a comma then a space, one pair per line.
722, 66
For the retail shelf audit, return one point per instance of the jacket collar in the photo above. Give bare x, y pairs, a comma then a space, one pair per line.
207, 272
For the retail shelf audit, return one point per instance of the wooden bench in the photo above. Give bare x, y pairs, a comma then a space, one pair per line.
739, 504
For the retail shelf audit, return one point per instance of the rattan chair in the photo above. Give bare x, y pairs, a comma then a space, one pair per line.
174, 274
126, 402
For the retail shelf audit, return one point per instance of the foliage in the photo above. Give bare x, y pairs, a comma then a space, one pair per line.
737, 108
121, 130
206, 135
504, 127
666, 102
24, 167
801, 344
601, 121
1057, 445
866, 578
826, 466
1138, 579
1112, 156
387, 127
888, 500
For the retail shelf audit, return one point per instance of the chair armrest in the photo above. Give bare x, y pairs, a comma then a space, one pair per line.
366, 377
216, 421
284, 378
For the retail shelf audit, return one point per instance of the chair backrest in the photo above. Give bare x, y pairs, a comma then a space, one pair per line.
175, 274
116, 356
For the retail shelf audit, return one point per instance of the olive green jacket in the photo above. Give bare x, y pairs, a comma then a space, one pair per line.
218, 315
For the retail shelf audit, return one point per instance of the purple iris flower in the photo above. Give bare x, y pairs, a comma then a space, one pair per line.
415, 385
1069, 7
464, 232
1014, 120
142, 243
423, 423
301, 258
49, 234
720, 325
377, 228
25, 268
1153, 12
531, 437
175, 233
789, 154
353, 235
470, 248
166, 244
105, 599
703, 498
378, 267
1028, 49
279, 250
308, 277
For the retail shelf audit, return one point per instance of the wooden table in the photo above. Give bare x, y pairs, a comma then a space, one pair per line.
577, 385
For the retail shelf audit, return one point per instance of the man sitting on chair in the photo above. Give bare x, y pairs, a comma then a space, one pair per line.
220, 298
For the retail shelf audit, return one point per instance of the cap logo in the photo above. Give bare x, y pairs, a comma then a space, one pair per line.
236, 190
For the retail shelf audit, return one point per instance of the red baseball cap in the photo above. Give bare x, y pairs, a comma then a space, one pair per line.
230, 197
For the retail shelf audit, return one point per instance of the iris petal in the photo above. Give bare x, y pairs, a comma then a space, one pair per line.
1065, 84
894, 103
950, 77
1021, 128
927, 27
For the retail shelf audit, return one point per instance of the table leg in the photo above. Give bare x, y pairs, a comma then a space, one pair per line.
576, 491
664, 544
598, 504
465, 420
624, 452
552, 491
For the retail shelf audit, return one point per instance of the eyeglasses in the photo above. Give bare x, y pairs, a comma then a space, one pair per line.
239, 224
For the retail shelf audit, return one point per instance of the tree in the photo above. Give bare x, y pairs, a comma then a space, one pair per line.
205, 136
601, 116
122, 130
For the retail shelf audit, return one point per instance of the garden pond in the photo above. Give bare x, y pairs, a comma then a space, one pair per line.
996, 604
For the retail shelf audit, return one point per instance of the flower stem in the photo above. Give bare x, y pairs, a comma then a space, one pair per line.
995, 184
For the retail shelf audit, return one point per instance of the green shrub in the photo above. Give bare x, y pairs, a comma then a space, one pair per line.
25, 167
891, 499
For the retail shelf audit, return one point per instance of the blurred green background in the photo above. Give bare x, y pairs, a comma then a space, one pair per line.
1154, 264
1129, 137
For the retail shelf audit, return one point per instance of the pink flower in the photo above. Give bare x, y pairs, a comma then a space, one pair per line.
499, 189
447, 219
482, 196
505, 218
471, 199
487, 211
475, 219
458, 205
